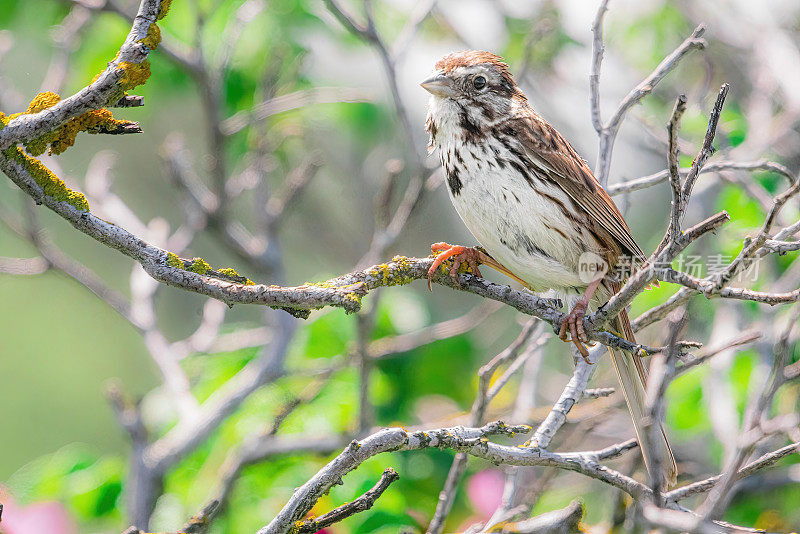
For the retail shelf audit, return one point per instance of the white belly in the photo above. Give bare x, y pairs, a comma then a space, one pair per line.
517, 226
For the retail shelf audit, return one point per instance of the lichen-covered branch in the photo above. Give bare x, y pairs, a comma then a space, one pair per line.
125, 71
469, 440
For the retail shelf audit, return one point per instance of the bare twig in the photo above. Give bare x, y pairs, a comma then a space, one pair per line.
706, 151
573, 391
712, 507
608, 131
669, 247
366, 412
598, 49
706, 354
662, 369
654, 179
703, 486
687, 522
564, 521
200, 522
674, 229
23, 266
596, 393
292, 101
387, 346
361, 504
64, 38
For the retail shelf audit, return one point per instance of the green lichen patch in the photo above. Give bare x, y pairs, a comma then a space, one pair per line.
227, 272
174, 261
199, 266
51, 185
402, 262
395, 274
300, 314
325, 285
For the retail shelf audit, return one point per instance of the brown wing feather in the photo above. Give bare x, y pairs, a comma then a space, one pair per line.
544, 145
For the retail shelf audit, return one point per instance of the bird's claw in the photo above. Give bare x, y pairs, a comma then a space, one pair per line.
572, 324
459, 255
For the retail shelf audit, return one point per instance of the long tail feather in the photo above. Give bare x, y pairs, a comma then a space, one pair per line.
632, 378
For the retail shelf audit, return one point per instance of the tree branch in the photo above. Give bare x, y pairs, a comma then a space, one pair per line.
654, 179
703, 486
564, 521
531, 333
96, 95
469, 440
608, 131
361, 504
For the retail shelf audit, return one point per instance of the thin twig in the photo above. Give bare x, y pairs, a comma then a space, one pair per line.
361, 504
674, 229
703, 486
654, 179
706, 151
597, 59
608, 131
564, 521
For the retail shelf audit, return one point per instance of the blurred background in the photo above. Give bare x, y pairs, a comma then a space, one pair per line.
273, 143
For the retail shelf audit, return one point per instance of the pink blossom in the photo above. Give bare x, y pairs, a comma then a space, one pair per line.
36, 518
485, 491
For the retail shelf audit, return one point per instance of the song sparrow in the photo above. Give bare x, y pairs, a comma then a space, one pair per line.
533, 204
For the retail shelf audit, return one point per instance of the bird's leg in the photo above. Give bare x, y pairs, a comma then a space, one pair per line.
459, 254
573, 321
471, 256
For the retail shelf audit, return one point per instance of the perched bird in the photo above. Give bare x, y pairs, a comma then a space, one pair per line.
535, 207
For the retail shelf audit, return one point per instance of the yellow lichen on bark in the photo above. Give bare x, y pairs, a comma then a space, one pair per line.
163, 9
42, 101
153, 37
64, 136
231, 273
199, 266
51, 185
174, 261
91, 122
134, 74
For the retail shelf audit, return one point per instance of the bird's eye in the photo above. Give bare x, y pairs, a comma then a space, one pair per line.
479, 82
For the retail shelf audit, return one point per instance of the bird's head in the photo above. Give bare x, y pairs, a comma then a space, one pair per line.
472, 76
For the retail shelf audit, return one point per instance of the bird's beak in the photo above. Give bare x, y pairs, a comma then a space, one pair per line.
439, 85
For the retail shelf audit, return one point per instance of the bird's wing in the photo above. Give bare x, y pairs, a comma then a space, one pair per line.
551, 152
